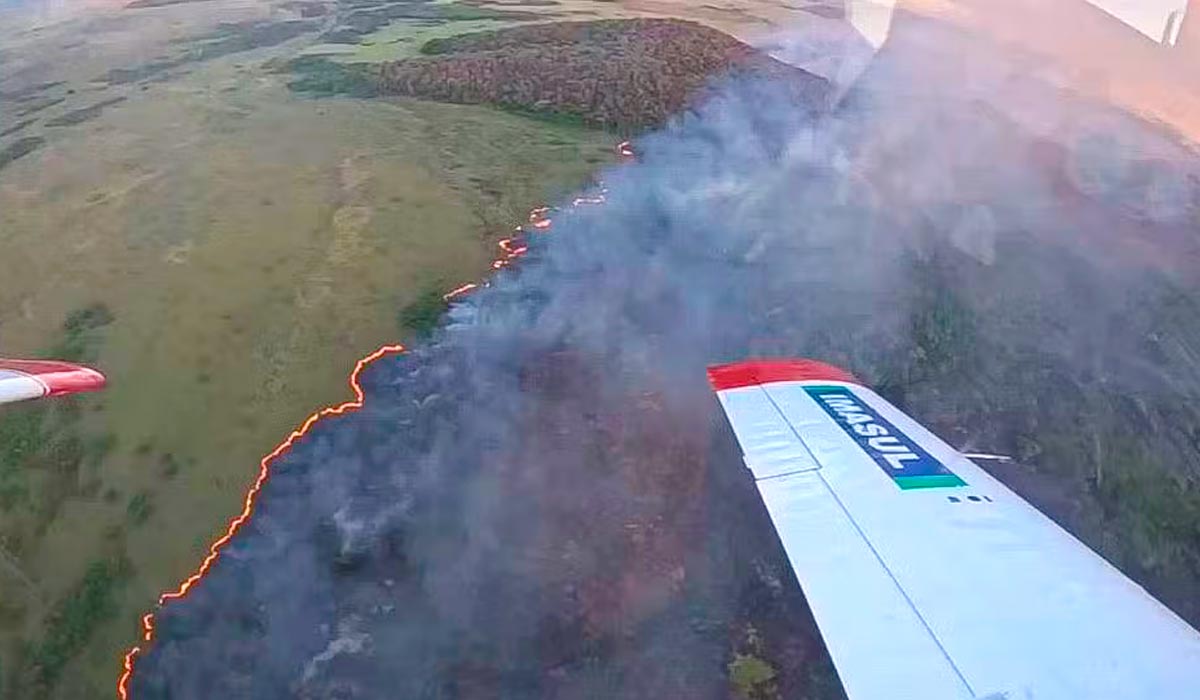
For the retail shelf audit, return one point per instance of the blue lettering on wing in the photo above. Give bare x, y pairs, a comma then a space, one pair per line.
898, 455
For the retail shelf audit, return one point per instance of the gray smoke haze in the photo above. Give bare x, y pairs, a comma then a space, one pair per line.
544, 500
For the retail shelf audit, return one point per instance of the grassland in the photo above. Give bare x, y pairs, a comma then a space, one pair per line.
238, 309
224, 248
405, 39
372, 32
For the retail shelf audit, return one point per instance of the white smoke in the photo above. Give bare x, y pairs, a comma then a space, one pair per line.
543, 501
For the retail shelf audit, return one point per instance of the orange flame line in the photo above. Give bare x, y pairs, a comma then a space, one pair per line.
214, 550
537, 217
459, 291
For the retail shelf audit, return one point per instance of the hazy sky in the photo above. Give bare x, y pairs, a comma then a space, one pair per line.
1149, 16
873, 17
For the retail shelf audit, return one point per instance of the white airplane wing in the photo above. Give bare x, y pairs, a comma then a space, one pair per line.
33, 379
927, 577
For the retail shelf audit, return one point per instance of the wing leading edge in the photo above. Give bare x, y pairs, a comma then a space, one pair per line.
927, 577
32, 379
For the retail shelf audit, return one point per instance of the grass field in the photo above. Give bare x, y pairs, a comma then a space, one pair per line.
404, 39
224, 249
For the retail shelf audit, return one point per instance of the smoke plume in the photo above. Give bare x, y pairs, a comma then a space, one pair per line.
544, 502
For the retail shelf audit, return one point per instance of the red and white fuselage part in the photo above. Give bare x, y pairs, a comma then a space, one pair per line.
929, 579
21, 380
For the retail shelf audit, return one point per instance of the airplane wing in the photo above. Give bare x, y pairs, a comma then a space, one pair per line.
927, 577
32, 379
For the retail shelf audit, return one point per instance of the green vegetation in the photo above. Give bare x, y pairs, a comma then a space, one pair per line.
82, 334
943, 335
41, 456
59, 461
75, 619
20, 433
139, 508
256, 322
43, 450
364, 21
751, 677
421, 316
404, 39
240, 285
20, 438
169, 466
321, 77
1158, 513
228, 39
556, 117
626, 75
250, 246
1112, 461
387, 31
96, 448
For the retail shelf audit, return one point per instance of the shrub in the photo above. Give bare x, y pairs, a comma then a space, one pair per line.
76, 617
422, 315
623, 74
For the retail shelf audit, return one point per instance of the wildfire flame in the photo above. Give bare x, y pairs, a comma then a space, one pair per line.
513, 248
459, 291
214, 550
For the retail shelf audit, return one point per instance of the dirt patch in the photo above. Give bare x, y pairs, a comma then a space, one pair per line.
624, 74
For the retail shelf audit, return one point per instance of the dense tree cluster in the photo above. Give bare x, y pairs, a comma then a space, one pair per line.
624, 74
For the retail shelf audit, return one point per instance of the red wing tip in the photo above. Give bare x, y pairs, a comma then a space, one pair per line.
59, 378
79, 380
755, 372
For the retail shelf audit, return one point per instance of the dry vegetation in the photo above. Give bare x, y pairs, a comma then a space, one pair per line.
624, 74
